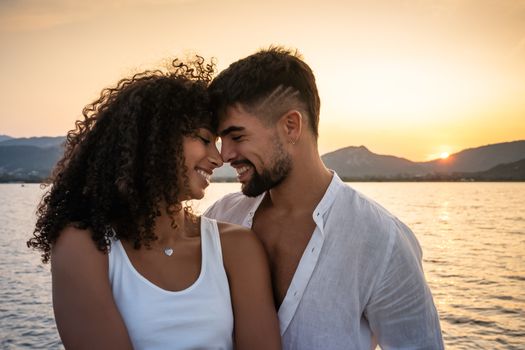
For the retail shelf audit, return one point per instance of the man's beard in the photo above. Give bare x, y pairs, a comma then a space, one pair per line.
269, 178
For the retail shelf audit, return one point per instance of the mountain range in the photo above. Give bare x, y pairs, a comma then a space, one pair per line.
359, 163
28, 159
4, 137
32, 159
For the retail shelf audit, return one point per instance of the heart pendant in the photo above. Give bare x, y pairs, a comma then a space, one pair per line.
168, 251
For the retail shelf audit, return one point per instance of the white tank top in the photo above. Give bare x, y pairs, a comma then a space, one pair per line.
198, 317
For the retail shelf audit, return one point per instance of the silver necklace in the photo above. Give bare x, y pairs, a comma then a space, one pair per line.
168, 251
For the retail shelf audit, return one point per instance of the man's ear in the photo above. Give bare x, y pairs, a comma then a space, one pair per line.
292, 123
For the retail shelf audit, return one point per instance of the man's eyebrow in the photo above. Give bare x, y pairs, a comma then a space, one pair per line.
230, 130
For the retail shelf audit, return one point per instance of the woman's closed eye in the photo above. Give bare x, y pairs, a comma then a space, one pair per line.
204, 140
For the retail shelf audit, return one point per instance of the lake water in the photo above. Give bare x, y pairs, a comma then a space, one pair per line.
472, 234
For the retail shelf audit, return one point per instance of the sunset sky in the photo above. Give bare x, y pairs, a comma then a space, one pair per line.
411, 78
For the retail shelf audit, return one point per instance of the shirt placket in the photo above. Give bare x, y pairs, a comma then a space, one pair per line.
248, 219
302, 275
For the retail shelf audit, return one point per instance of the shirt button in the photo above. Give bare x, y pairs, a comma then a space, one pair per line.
295, 293
313, 249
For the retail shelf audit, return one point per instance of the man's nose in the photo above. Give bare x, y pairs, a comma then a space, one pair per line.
227, 152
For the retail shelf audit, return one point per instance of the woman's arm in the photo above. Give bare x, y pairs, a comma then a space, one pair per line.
245, 261
85, 312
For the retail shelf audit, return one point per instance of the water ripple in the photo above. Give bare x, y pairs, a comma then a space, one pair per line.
471, 235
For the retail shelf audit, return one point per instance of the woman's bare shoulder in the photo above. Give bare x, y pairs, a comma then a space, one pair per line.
75, 245
229, 228
240, 244
236, 234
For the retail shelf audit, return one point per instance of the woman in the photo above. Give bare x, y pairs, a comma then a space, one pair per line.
176, 280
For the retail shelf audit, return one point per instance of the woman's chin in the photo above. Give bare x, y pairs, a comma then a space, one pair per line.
195, 195
200, 196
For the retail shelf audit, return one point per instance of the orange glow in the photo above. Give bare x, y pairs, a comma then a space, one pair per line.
401, 77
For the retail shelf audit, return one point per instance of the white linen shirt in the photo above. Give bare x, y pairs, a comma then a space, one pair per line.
359, 281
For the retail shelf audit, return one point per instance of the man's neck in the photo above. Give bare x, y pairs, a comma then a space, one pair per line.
303, 188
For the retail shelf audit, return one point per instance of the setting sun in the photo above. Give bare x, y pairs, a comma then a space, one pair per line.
444, 155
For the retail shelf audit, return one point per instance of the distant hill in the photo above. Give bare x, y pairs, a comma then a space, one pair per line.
359, 162
42, 142
478, 159
28, 161
514, 171
224, 173
32, 159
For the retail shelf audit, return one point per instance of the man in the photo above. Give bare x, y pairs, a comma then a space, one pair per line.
346, 273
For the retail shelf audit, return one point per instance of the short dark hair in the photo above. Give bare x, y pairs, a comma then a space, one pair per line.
126, 157
254, 78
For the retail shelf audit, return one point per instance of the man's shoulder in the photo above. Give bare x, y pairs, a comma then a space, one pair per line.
356, 205
368, 217
362, 207
236, 199
232, 207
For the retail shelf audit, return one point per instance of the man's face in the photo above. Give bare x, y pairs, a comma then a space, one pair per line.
254, 150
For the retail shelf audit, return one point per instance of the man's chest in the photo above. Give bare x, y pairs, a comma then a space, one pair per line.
285, 241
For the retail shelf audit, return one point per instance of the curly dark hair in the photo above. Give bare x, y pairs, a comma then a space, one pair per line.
125, 157
254, 78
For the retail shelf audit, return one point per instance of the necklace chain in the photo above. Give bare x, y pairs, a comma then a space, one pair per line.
167, 250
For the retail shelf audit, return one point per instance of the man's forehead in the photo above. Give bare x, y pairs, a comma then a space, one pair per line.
237, 110
235, 118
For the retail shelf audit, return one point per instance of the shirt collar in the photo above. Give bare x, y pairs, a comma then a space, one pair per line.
322, 207
327, 201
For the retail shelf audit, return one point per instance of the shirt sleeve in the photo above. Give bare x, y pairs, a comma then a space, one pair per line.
401, 312
210, 212
216, 210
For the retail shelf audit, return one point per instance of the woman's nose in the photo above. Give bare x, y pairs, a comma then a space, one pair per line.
215, 158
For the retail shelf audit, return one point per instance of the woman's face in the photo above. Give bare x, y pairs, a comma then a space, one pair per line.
201, 157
